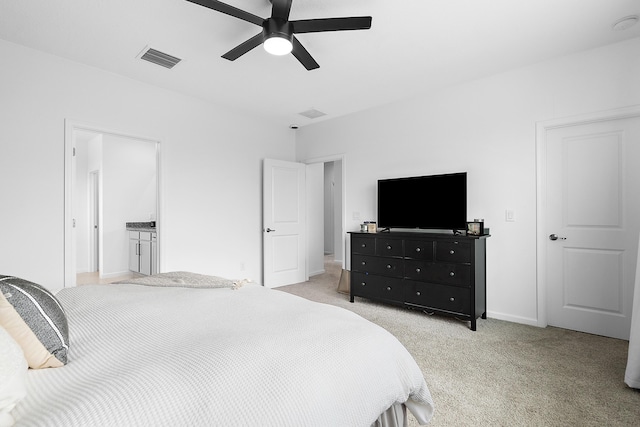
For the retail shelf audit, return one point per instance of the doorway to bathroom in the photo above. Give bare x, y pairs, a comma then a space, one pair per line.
111, 178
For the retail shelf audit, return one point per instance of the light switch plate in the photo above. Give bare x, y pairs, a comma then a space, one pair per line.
510, 215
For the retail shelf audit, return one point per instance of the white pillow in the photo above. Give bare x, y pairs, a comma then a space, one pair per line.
13, 373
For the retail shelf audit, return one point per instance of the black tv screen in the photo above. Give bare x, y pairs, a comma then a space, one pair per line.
429, 202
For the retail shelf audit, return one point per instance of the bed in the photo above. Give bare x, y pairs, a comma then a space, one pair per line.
183, 350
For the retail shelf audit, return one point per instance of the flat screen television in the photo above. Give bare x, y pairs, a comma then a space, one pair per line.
428, 202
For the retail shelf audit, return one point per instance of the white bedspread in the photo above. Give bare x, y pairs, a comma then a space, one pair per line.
148, 356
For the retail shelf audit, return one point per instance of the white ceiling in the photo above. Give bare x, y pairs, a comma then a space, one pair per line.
413, 46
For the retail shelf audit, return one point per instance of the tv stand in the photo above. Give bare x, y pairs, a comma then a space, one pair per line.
435, 273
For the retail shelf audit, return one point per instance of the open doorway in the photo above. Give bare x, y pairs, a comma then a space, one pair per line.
333, 241
111, 178
325, 207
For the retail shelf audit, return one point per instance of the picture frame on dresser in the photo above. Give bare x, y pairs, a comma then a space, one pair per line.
475, 228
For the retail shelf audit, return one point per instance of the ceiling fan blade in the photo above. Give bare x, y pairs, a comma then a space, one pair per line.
303, 56
280, 9
243, 48
331, 24
229, 10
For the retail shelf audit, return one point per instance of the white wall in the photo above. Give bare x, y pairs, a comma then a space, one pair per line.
210, 177
487, 128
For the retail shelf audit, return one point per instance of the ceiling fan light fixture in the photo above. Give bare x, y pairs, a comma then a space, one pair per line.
278, 45
277, 36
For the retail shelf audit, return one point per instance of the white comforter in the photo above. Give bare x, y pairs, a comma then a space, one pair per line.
149, 356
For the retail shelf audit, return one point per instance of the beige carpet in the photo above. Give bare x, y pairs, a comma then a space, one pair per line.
504, 374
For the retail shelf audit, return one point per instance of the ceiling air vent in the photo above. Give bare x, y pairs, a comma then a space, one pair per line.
312, 113
159, 58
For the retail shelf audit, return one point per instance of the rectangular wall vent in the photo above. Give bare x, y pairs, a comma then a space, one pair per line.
160, 58
312, 113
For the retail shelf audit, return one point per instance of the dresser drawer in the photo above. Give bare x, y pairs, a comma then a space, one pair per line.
418, 249
452, 274
363, 245
451, 299
376, 287
453, 251
389, 247
419, 270
449, 274
377, 265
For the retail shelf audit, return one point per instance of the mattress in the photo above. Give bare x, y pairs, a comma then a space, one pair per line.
170, 356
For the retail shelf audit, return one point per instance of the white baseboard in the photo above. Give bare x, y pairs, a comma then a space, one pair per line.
512, 318
116, 274
315, 273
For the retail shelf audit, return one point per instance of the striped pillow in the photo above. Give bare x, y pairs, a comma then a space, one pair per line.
35, 319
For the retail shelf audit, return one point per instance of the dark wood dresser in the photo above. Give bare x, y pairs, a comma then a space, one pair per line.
436, 273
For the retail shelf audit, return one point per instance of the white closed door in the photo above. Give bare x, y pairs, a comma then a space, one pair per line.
592, 219
284, 223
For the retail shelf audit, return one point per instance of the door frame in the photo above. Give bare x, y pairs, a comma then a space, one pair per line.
70, 126
541, 194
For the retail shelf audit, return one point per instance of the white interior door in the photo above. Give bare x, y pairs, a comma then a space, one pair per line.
284, 223
592, 215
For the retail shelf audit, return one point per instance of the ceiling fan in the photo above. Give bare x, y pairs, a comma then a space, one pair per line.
278, 32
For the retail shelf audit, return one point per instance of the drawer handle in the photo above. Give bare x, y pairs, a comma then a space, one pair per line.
452, 252
363, 284
451, 273
452, 299
389, 267
389, 247
364, 262
418, 270
418, 293
418, 249
388, 288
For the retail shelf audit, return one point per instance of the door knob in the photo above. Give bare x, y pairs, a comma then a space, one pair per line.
269, 230
555, 237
